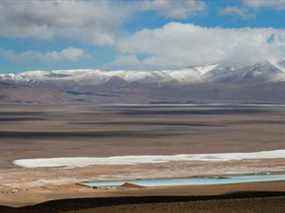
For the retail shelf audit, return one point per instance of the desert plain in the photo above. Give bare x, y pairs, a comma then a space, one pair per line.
68, 131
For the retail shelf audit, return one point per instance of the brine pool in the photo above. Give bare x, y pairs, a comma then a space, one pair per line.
188, 181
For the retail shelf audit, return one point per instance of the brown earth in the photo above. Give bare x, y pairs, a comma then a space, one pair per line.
67, 131
254, 197
40, 131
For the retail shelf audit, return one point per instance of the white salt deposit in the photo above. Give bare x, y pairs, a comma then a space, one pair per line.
144, 159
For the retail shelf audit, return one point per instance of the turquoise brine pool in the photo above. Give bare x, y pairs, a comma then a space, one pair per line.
188, 181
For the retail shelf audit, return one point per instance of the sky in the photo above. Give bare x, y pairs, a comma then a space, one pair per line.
138, 34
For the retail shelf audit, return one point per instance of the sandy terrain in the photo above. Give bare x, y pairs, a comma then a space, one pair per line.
78, 131
86, 131
141, 195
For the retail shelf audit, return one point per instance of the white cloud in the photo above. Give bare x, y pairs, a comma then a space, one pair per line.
97, 22
236, 11
275, 4
91, 21
125, 61
178, 9
70, 54
181, 45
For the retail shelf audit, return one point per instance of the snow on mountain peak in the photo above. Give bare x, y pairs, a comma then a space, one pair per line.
278, 64
205, 69
269, 70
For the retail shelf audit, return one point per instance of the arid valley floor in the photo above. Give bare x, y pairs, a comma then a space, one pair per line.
61, 131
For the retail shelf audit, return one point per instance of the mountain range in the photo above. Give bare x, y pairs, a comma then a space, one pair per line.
262, 82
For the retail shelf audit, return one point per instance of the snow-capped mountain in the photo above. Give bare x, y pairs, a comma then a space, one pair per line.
96, 77
265, 71
260, 82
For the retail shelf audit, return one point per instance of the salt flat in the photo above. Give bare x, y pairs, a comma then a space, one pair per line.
145, 159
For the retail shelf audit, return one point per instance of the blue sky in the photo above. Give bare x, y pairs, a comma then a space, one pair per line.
147, 34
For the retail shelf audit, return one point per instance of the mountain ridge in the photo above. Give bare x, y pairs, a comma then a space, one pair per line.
260, 82
196, 74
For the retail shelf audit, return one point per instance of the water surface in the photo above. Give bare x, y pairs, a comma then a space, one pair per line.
189, 181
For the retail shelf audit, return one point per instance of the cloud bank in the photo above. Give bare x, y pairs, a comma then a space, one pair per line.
236, 12
181, 45
96, 22
178, 9
69, 54
91, 21
275, 4
102, 23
